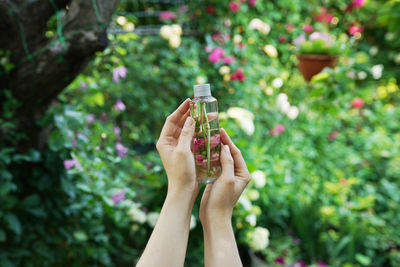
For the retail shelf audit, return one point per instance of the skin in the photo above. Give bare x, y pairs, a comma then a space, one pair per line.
216, 205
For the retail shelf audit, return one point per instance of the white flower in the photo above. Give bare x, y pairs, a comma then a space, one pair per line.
176, 29
200, 80
237, 38
251, 219
244, 118
137, 215
282, 97
174, 41
362, 75
152, 218
284, 107
166, 32
258, 178
293, 112
259, 239
373, 50
245, 202
193, 222
247, 125
224, 70
389, 36
277, 83
397, 59
257, 24
121, 20
253, 194
129, 27
271, 51
377, 71
351, 74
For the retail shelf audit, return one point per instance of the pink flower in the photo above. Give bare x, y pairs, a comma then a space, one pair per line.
277, 130
228, 60
322, 264
221, 38
234, 7
103, 116
289, 27
307, 28
210, 9
333, 135
199, 159
183, 9
90, 119
355, 4
357, 103
117, 130
207, 48
118, 197
216, 55
84, 85
73, 142
166, 15
121, 150
299, 40
119, 105
279, 260
355, 29
239, 75
119, 72
323, 16
301, 264
198, 144
215, 140
71, 163
252, 2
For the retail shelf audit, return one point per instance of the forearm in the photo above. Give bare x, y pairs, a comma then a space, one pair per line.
220, 247
168, 242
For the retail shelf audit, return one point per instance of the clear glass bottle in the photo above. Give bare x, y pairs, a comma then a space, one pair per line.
206, 144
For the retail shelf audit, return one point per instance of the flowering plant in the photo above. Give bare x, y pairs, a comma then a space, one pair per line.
318, 43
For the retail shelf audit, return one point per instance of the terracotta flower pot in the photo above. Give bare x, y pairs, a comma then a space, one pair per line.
311, 65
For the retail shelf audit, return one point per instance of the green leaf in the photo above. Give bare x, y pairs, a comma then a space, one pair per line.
80, 236
56, 140
13, 223
83, 188
363, 260
3, 236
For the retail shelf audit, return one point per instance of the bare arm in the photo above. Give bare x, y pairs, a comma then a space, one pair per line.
167, 244
217, 204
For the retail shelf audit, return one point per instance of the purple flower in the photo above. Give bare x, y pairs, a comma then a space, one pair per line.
300, 263
279, 260
71, 163
118, 197
322, 264
166, 15
183, 9
121, 150
119, 72
117, 130
252, 2
84, 85
90, 119
318, 35
299, 40
119, 105
296, 240
103, 116
73, 142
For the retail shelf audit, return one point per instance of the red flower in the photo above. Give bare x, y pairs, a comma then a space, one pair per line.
279, 260
198, 143
307, 28
355, 4
238, 75
199, 159
252, 2
333, 135
282, 39
355, 29
234, 7
210, 10
289, 27
357, 103
322, 16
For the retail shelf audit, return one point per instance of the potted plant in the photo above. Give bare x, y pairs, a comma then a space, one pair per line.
316, 51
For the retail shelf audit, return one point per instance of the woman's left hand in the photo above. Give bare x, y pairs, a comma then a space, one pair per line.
174, 149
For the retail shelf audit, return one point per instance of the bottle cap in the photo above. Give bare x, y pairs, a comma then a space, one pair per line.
202, 90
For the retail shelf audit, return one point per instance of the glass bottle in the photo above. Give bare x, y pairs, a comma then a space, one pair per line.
206, 144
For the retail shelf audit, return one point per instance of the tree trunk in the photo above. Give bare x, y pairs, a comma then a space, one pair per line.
45, 66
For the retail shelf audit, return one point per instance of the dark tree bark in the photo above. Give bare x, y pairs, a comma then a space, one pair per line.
44, 67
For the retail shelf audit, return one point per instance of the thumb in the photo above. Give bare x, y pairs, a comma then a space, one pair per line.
186, 136
227, 162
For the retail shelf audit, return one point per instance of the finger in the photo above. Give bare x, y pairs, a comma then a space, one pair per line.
185, 138
169, 127
226, 163
180, 124
237, 156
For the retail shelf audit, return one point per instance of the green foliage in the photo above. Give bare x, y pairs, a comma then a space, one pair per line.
326, 186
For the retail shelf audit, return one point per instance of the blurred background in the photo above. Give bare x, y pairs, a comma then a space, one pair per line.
86, 87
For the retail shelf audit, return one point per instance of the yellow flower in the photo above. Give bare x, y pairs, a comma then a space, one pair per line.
166, 32
200, 80
175, 41
224, 70
271, 51
250, 40
227, 77
129, 26
176, 29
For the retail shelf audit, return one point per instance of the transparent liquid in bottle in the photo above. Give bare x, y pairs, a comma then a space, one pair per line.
206, 144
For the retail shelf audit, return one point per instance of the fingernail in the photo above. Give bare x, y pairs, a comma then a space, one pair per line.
226, 147
188, 122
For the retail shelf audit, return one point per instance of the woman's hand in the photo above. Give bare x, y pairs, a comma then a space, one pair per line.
220, 197
174, 149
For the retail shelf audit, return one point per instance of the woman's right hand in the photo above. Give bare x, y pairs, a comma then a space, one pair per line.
220, 197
